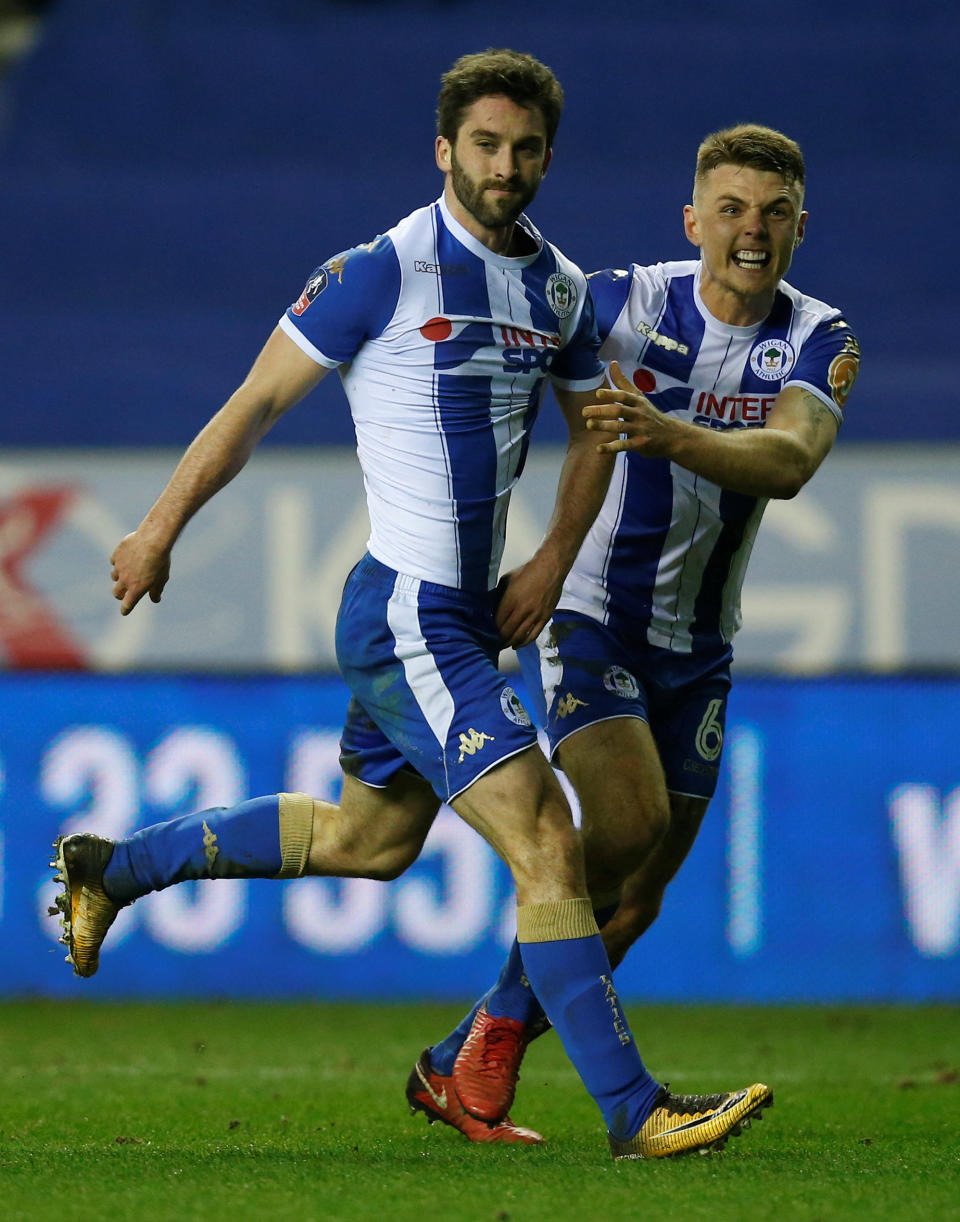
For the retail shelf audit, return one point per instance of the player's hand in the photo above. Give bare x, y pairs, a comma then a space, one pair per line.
529, 596
622, 409
140, 567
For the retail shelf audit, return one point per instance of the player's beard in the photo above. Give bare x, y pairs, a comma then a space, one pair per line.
489, 212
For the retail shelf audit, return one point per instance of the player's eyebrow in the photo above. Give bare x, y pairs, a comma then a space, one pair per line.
729, 198
481, 133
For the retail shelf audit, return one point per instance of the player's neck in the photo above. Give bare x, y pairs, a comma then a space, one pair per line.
733, 308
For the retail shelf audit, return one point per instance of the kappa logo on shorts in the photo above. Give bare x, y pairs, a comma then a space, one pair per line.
312, 290
472, 742
569, 704
513, 708
210, 848
621, 682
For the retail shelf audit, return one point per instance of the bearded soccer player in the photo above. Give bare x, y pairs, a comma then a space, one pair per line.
728, 388
445, 330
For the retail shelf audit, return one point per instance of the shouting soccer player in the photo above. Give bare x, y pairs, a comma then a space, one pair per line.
444, 329
728, 389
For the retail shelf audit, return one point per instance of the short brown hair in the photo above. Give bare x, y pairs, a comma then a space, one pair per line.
515, 75
750, 144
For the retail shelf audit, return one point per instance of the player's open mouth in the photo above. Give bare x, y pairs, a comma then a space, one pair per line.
751, 259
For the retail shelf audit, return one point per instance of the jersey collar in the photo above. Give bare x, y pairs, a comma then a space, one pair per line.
465, 238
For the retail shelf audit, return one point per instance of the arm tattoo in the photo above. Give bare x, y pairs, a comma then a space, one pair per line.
819, 413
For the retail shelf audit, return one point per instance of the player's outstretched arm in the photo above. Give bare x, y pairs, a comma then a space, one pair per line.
280, 377
533, 589
774, 461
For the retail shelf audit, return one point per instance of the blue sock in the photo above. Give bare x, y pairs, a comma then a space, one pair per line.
224, 842
571, 976
510, 997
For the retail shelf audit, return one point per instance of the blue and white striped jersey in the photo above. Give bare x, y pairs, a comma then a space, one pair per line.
668, 552
444, 349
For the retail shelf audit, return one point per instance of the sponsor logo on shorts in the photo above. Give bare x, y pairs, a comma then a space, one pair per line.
311, 291
569, 704
561, 293
472, 742
621, 682
513, 708
772, 359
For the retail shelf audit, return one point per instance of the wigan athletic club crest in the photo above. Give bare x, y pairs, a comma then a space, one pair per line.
561, 294
621, 682
513, 708
772, 359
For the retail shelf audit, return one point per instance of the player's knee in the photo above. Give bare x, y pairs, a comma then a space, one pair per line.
548, 852
611, 856
393, 860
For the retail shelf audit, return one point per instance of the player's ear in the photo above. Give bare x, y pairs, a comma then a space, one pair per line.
690, 226
442, 150
801, 229
547, 157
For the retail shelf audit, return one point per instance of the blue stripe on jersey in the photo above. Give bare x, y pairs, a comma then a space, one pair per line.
534, 278
777, 325
464, 296
734, 511
609, 290
463, 406
673, 399
637, 545
682, 321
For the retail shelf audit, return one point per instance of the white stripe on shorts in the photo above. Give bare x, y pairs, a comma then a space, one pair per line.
419, 667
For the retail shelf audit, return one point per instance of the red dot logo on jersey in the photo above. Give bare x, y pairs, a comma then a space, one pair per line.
644, 381
436, 329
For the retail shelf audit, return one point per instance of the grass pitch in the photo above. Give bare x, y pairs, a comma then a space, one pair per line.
286, 1111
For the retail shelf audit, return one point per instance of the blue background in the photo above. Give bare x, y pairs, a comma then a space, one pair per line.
172, 171
833, 923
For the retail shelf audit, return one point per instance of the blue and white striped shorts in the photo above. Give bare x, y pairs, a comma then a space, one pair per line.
421, 662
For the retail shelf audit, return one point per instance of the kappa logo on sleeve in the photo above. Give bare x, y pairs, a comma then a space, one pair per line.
311, 291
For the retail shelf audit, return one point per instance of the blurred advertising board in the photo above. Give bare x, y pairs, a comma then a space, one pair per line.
858, 571
828, 867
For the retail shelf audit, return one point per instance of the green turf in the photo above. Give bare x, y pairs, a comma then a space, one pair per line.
276, 1112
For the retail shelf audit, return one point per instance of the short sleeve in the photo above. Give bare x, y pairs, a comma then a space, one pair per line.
609, 289
345, 302
578, 365
828, 363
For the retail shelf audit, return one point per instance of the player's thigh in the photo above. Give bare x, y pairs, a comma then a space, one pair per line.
614, 767
520, 809
376, 831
